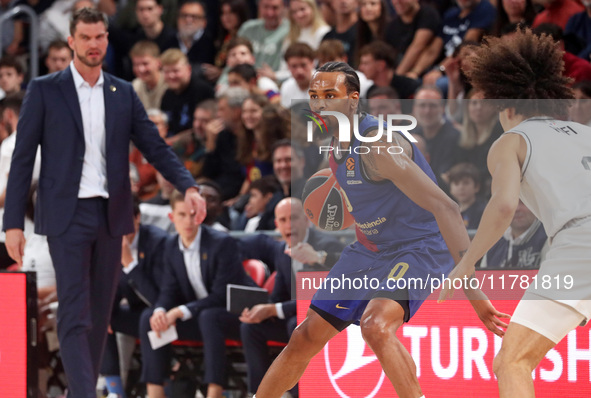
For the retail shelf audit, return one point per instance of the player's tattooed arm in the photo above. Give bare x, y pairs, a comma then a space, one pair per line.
370, 167
379, 162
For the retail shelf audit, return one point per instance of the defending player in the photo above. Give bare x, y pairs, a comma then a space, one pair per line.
416, 224
545, 162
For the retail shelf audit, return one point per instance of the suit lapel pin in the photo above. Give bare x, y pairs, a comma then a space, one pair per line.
142, 255
204, 257
113, 88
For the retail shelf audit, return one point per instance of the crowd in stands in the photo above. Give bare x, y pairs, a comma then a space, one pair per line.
220, 78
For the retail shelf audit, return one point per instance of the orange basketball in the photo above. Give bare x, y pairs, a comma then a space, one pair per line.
325, 203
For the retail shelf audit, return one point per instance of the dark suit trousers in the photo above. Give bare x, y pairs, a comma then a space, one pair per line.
212, 327
254, 340
87, 262
124, 320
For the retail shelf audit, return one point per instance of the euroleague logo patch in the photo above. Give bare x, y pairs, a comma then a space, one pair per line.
350, 164
359, 363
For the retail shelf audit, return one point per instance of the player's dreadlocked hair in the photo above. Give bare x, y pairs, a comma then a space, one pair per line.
524, 71
351, 79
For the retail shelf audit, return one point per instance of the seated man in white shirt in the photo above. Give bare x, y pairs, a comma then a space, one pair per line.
199, 263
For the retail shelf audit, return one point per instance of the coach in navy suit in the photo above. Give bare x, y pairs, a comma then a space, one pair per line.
199, 263
302, 248
84, 119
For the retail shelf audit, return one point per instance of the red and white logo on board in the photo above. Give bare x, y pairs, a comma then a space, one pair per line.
346, 369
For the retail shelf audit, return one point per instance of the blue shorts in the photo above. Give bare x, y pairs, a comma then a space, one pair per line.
403, 274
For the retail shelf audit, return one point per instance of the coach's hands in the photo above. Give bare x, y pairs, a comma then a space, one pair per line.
161, 320
258, 313
158, 322
304, 253
196, 203
15, 244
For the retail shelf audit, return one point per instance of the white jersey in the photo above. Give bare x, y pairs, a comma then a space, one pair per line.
556, 173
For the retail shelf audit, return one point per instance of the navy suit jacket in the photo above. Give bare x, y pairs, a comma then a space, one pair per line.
51, 117
272, 252
146, 276
221, 264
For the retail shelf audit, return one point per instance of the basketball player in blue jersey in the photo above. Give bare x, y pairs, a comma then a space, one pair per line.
407, 229
545, 162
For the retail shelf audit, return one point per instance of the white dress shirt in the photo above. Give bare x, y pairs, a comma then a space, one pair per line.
134, 254
252, 224
92, 107
192, 257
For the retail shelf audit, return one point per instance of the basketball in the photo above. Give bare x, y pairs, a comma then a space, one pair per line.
325, 203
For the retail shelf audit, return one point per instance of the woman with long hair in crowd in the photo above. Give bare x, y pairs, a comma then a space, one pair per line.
372, 21
264, 124
306, 25
274, 125
233, 13
510, 12
458, 84
253, 165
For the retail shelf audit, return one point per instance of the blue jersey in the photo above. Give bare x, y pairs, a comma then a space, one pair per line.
385, 217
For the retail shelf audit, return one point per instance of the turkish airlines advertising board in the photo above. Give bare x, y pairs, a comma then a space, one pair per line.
13, 339
453, 352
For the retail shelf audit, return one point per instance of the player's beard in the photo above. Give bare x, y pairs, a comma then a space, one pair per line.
91, 63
